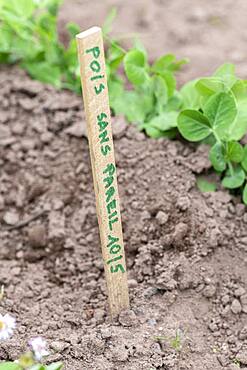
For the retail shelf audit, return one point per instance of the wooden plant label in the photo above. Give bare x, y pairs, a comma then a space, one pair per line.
96, 102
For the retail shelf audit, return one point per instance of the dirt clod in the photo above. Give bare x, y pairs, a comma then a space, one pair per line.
128, 318
242, 357
37, 236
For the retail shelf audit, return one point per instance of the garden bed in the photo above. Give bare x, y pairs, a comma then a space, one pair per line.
186, 250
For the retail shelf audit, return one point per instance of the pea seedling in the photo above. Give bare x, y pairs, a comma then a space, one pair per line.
216, 113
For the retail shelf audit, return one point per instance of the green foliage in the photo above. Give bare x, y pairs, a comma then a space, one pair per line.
152, 102
204, 185
219, 113
29, 36
193, 125
16, 366
9, 366
54, 366
176, 342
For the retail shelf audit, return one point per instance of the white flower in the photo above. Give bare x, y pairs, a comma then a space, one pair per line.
39, 348
7, 326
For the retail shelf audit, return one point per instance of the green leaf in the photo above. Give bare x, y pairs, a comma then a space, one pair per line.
204, 185
174, 103
115, 55
138, 44
44, 72
193, 125
156, 133
134, 106
164, 122
163, 63
167, 63
245, 194
227, 69
9, 366
238, 128
55, 366
234, 151
107, 25
244, 160
190, 95
73, 29
116, 92
208, 86
153, 132
234, 179
227, 73
160, 92
52, 6
22, 8
38, 367
216, 157
221, 111
170, 82
222, 81
239, 90
135, 67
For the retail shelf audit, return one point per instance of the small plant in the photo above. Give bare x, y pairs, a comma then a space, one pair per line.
145, 94
216, 113
175, 342
152, 102
29, 36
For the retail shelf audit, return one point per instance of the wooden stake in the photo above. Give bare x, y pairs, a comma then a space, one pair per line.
96, 103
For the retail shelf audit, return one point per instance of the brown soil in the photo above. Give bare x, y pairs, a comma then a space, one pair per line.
208, 32
186, 251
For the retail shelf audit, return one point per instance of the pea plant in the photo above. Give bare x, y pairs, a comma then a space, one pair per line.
28, 36
145, 94
216, 112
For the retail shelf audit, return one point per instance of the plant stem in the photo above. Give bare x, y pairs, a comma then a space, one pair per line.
113, 42
216, 137
230, 168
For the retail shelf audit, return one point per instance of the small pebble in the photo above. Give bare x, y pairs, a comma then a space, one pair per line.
183, 203
11, 218
239, 292
225, 299
236, 306
209, 291
58, 346
46, 137
132, 283
162, 218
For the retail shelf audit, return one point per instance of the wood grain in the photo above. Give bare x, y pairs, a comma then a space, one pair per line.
96, 103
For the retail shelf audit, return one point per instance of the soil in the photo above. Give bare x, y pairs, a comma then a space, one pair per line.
186, 251
209, 33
